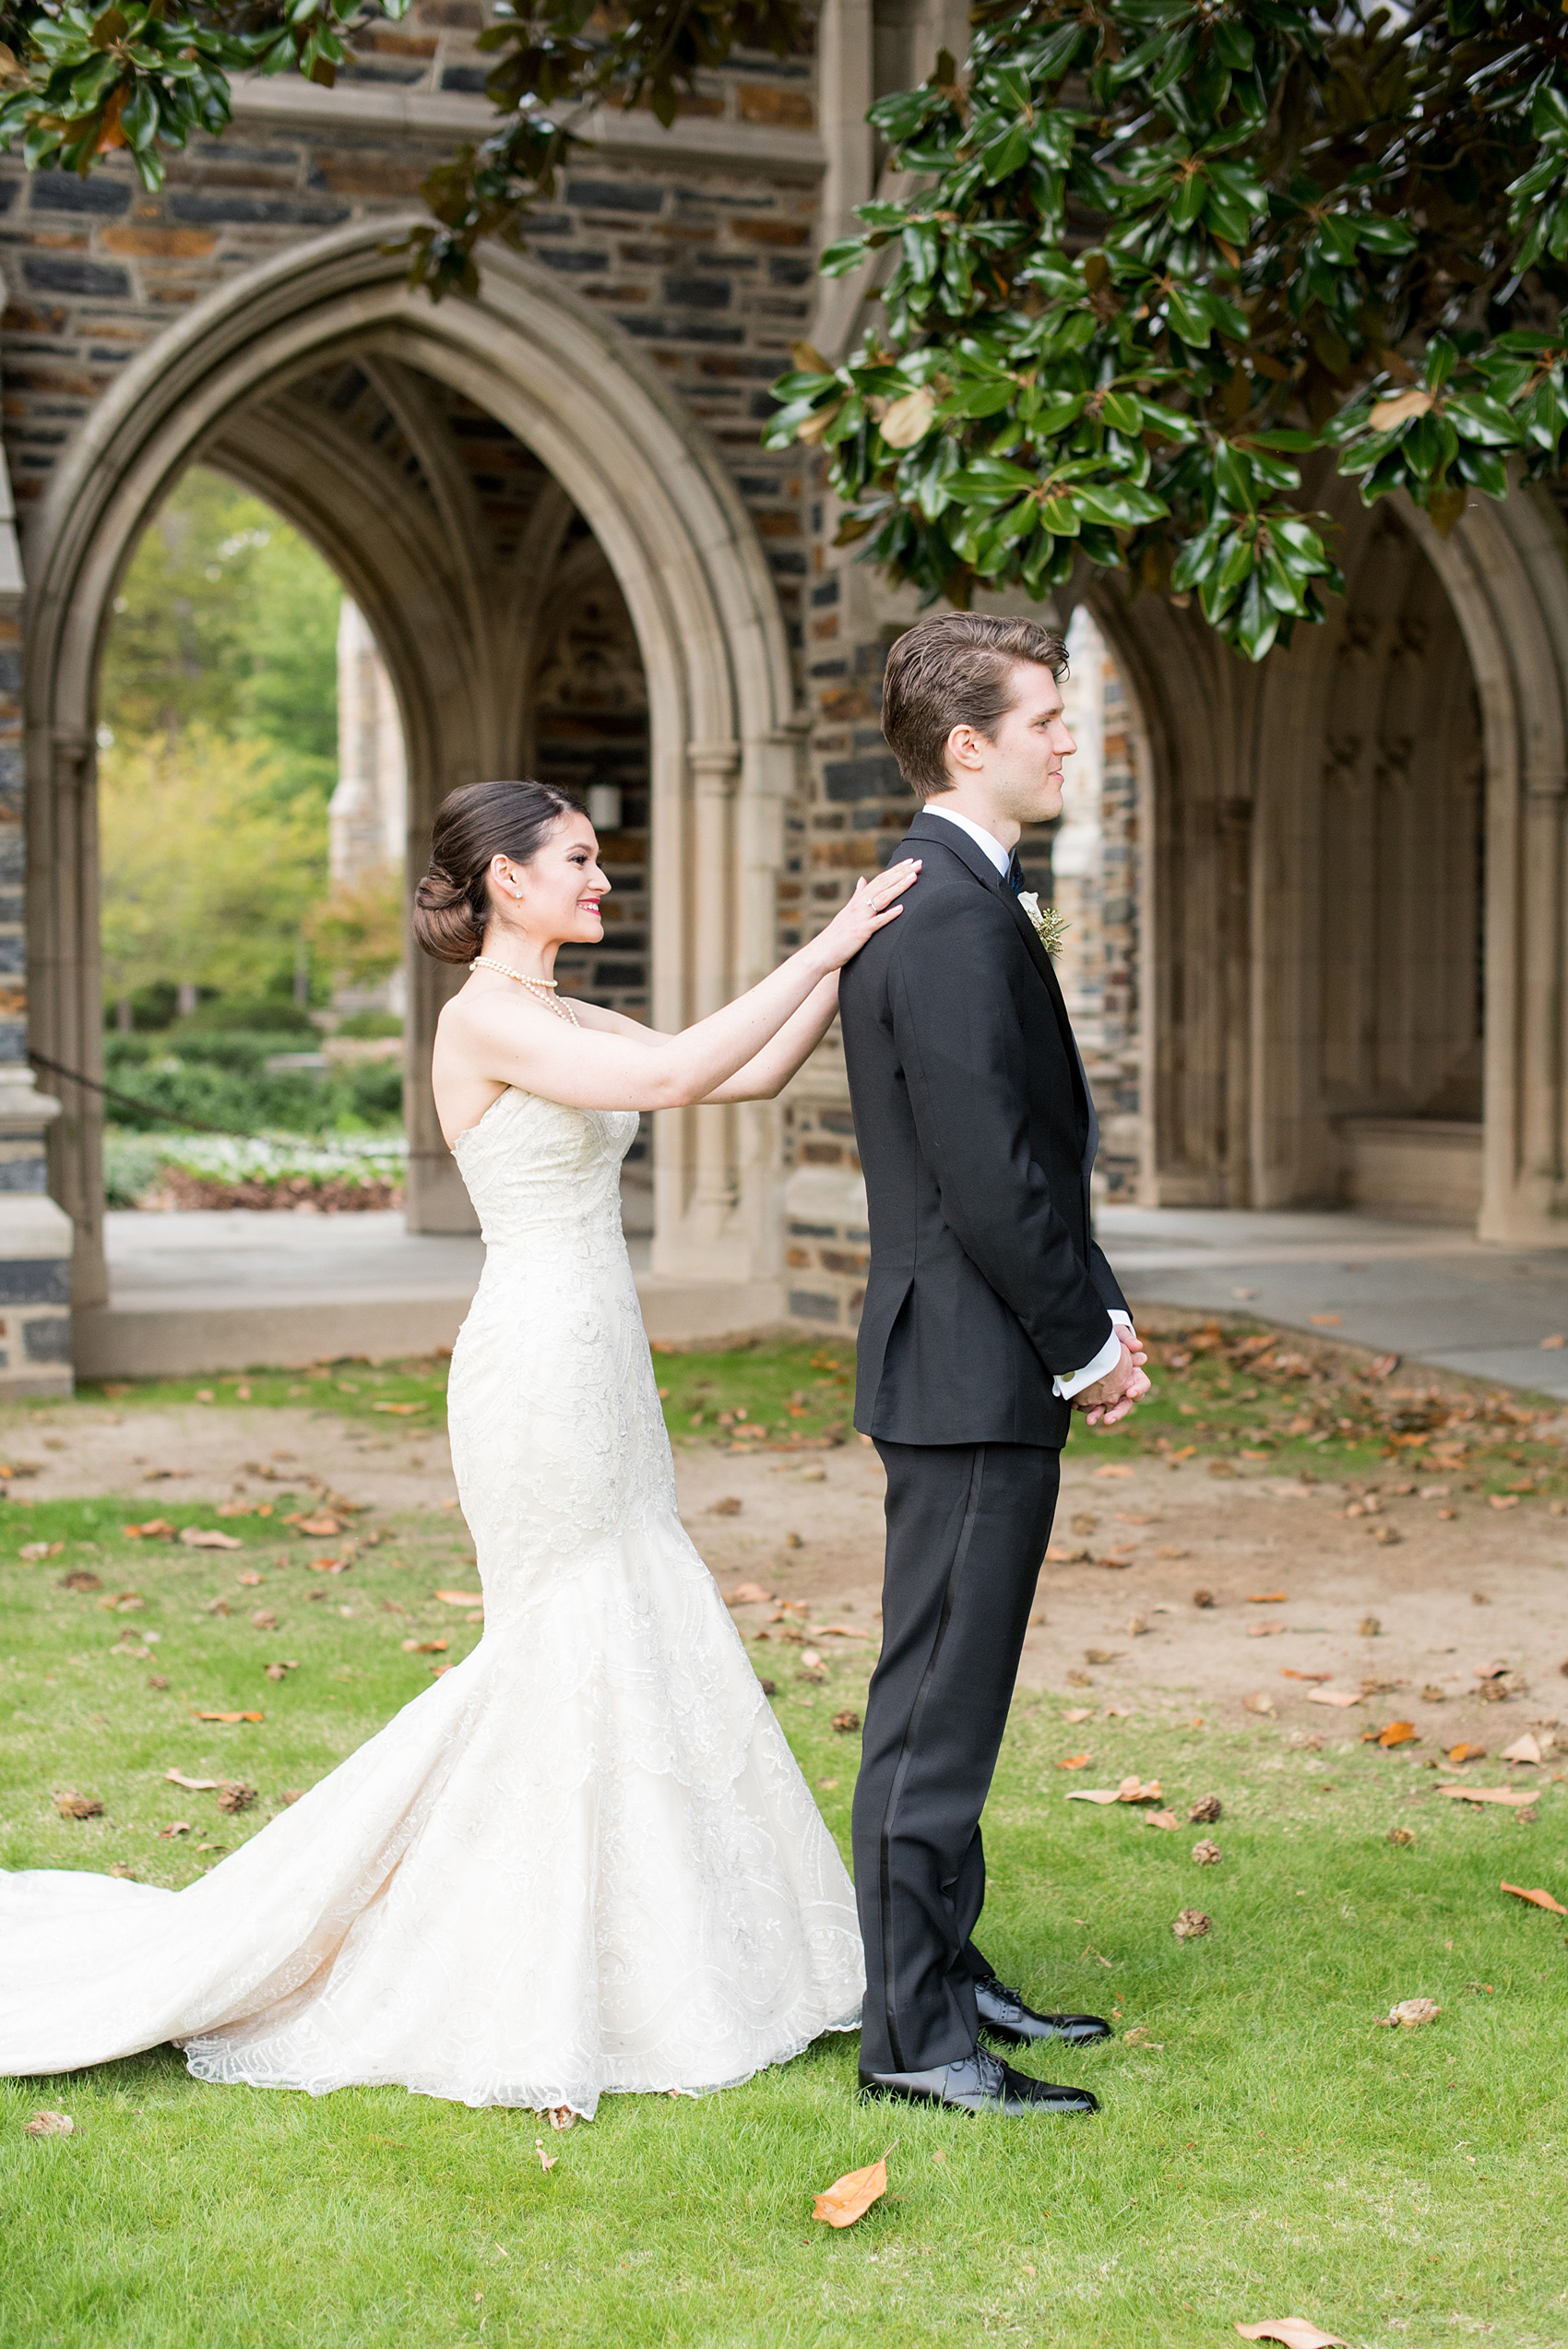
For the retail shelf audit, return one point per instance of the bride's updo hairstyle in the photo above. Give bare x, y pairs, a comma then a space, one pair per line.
473, 824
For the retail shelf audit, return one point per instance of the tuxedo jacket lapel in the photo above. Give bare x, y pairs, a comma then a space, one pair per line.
970, 853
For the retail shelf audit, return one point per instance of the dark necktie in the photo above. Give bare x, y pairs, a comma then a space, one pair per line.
1015, 874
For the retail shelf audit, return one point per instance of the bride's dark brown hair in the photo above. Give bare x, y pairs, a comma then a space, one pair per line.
474, 823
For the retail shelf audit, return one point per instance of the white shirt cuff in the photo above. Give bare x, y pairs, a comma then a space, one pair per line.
1106, 1359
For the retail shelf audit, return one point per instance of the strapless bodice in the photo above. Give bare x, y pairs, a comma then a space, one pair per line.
531, 1165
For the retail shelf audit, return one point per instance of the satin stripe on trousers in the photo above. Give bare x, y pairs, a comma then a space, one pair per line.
966, 1530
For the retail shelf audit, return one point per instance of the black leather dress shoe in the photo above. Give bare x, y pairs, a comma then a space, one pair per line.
1002, 2015
977, 2083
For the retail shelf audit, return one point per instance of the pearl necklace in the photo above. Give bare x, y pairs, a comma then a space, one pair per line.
541, 990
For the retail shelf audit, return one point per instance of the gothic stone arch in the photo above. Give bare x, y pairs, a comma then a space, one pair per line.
224, 385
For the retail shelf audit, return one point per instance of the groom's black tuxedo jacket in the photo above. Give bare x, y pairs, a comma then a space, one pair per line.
977, 1135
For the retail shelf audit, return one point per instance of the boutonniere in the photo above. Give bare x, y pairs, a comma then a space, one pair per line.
1049, 927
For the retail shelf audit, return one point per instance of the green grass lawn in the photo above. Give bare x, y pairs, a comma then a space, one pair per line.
1264, 2149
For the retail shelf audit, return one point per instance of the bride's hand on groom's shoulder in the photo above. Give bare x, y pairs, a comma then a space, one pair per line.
872, 906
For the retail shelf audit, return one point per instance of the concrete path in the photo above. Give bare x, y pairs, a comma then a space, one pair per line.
1416, 1290
228, 1289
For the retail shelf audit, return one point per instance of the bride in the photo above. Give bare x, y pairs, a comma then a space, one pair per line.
584, 1860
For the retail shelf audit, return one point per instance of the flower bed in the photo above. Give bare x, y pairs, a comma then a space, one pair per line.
348, 1174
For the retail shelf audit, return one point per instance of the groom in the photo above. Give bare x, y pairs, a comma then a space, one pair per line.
988, 1313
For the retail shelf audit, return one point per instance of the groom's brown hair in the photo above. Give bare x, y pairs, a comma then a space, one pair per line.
956, 668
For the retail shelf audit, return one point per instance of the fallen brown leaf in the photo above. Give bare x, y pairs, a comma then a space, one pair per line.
1133, 1790
399, 1411
49, 2125
745, 1594
1288, 1673
1398, 1733
812, 1665
1344, 1697
1259, 1702
155, 1528
1410, 2014
250, 1580
1538, 1899
32, 1551
1075, 1761
235, 1508
546, 2160
1267, 1598
462, 1598
1113, 1469
230, 1716
424, 1647
1190, 1925
1077, 1712
175, 1827
1466, 1753
1296, 2332
192, 1785
1517, 1797
1524, 1749
330, 1565
1103, 1655
1206, 1854
208, 1537
1263, 1630
731, 1505
321, 1524
1325, 1320
1161, 1819
851, 2197
264, 1620
1502, 1500
1093, 1794
70, 1805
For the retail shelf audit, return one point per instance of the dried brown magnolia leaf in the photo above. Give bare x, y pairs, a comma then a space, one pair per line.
1538, 1899
1206, 1854
1465, 1752
462, 1598
1077, 1712
1205, 1810
1161, 1819
49, 2125
322, 1525
1267, 1598
1190, 1925
192, 1785
208, 1537
1103, 1655
1344, 1697
1259, 1702
745, 1594
175, 1827
1133, 1790
70, 1805
1264, 1630
1298, 2332
155, 1528
250, 1580
908, 420
1524, 1749
231, 1717
1113, 1468
1075, 1761
1410, 2014
1287, 1672
424, 1647
1093, 1794
1398, 1733
851, 2197
264, 1620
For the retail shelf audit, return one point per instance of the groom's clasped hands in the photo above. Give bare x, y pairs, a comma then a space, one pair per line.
1126, 1383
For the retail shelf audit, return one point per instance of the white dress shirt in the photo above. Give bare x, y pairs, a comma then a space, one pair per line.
1110, 1353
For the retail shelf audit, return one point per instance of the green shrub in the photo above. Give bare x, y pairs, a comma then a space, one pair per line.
274, 1015
370, 1023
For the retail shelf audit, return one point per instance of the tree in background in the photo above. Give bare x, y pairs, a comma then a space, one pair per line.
219, 909
1148, 253
220, 705
357, 931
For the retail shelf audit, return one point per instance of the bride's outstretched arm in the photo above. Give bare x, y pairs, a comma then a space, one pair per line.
507, 1038
765, 1075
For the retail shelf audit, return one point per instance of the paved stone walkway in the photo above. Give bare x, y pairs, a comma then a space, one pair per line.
1430, 1294
1417, 1290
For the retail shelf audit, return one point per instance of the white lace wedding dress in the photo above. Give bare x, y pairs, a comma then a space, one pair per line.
582, 1861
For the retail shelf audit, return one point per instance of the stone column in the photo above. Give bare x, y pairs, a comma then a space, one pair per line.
35, 1234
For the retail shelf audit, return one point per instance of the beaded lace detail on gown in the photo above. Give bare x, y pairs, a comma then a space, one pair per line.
582, 1861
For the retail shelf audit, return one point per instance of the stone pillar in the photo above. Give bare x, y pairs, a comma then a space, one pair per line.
35, 1234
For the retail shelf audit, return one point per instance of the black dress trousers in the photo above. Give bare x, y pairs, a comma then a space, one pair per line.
967, 1526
